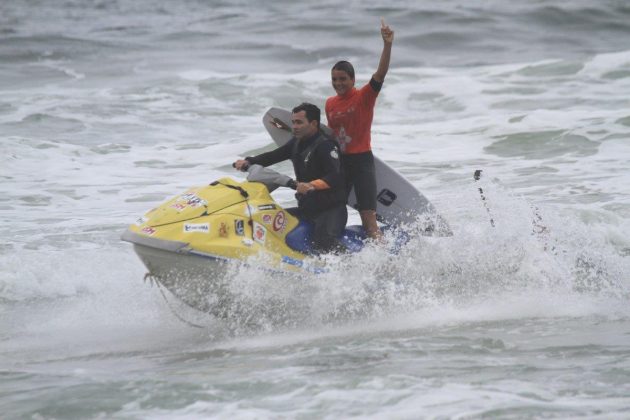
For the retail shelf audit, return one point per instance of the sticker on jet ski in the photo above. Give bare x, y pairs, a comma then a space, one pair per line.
239, 227
279, 222
192, 200
178, 206
148, 230
267, 207
266, 219
187, 196
260, 233
197, 227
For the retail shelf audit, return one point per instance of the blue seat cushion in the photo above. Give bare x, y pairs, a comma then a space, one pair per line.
299, 239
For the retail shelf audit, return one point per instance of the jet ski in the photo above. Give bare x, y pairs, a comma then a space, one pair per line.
190, 243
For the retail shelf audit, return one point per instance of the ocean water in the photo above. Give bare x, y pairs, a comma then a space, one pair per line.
107, 108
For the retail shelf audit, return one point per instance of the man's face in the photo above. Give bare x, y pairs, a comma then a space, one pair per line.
301, 127
341, 82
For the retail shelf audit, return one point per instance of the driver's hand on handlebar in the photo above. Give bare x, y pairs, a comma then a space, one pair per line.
241, 164
304, 188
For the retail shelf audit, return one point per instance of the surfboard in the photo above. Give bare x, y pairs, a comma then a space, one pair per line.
398, 201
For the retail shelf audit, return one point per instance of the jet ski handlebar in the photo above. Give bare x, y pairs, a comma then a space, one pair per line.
244, 168
269, 177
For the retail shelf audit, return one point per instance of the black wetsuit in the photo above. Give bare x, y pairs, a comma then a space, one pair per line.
313, 158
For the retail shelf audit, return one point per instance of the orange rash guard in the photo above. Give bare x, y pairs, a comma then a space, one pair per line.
350, 117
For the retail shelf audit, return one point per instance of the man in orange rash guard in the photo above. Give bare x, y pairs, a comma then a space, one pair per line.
349, 115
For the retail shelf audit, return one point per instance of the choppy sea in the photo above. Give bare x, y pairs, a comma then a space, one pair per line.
108, 108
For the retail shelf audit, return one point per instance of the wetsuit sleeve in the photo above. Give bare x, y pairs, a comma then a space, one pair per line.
376, 86
328, 154
370, 92
275, 156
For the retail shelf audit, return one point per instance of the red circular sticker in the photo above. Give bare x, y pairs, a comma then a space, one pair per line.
279, 221
259, 232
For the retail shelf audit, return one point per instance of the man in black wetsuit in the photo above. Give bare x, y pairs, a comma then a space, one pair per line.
320, 183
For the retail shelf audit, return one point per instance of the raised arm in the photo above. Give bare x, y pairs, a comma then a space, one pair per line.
383, 64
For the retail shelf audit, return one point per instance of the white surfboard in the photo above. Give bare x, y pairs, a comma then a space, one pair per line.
398, 201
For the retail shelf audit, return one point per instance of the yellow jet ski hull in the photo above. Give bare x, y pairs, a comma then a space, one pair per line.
191, 242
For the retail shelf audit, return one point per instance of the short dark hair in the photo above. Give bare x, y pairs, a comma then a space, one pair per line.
312, 112
345, 66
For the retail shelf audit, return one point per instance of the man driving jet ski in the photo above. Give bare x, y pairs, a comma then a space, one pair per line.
320, 188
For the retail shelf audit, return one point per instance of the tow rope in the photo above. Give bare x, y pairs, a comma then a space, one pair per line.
153, 279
